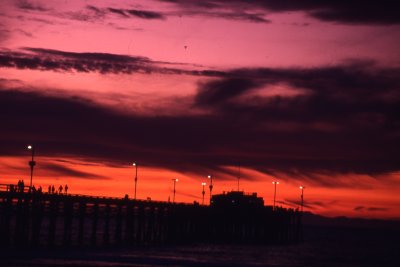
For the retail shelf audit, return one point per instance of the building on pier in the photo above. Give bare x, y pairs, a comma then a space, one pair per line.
237, 199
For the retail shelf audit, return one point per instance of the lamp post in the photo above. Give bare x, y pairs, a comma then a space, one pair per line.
135, 165
32, 164
302, 197
210, 186
175, 180
238, 179
275, 183
203, 192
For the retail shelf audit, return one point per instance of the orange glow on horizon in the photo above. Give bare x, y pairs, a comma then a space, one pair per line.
154, 183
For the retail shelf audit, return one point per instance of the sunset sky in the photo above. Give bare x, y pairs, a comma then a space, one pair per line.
302, 92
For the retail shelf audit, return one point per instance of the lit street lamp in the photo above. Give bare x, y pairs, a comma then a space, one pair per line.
175, 180
275, 183
32, 164
210, 186
302, 197
135, 165
203, 192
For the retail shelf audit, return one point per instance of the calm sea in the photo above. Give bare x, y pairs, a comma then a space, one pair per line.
323, 246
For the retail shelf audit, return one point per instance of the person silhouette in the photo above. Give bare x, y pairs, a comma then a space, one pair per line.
49, 189
60, 189
53, 190
66, 189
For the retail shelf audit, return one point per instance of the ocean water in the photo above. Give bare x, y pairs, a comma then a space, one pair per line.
322, 246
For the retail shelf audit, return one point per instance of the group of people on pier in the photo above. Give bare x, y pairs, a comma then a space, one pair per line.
20, 187
52, 190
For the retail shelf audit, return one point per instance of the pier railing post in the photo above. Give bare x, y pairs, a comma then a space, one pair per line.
81, 221
106, 234
118, 224
95, 216
37, 218
68, 216
53, 214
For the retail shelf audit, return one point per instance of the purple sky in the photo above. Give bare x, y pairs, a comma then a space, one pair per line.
306, 92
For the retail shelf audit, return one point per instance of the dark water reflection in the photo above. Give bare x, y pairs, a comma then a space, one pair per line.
324, 246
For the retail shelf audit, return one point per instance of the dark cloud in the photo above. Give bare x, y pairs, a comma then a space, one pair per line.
144, 14
359, 208
152, 15
89, 14
55, 60
358, 89
88, 56
95, 14
25, 33
117, 11
93, 8
349, 114
77, 127
362, 208
63, 171
97, 11
219, 91
377, 209
296, 203
233, 15
345, 121
29, 5
363, 12
349, 12
251, 17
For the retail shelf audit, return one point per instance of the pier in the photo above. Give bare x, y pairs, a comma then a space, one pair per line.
39, 219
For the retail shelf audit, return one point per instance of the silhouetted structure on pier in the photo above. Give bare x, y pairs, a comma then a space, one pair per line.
42, 219
237, 199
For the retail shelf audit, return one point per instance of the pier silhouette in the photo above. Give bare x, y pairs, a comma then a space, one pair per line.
38, 219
